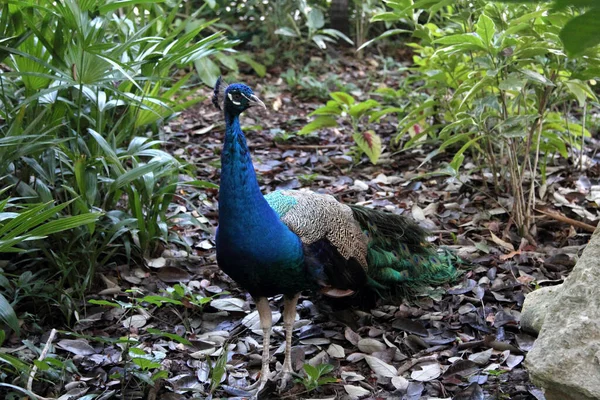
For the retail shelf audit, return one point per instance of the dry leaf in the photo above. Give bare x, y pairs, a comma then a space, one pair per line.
135, 321
381, 368
400, 383
252, 320
76, 346
481, 358
228, 304
370, 345
356, 392
427, 372
500, 242
336, 351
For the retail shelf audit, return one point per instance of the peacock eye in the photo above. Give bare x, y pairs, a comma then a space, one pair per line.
236, 97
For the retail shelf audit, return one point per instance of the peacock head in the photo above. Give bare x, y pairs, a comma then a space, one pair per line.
234, 98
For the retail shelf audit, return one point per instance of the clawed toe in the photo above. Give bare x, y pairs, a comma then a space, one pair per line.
285, 381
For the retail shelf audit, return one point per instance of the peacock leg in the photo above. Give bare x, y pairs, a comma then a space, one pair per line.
289, 316
264, 312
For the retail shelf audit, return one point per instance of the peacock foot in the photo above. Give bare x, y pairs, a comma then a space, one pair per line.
285, 381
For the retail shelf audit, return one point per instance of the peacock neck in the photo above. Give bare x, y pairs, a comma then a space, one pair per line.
241, 203
254, 247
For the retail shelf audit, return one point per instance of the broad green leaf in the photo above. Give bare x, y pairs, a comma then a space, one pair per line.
474, 90
333, 109
576, 3
459, 156
259, 68
171, 336
420, 4
108, 150
463, 123
228, 60
387, 17
580, 90
581, 32
200, 184
285, 31
144, 363
135, 173
8, 315
315, 19
207, 70
455, 139
486, 29
320, 41
388, 110
324, 368
337, 34
384, 35
359, 109
322, 121
512, 83
439, 4
370, 143
463, 38
311, 371
553, 143
104, 303
537, 77
516, 28
26, 220
343, 98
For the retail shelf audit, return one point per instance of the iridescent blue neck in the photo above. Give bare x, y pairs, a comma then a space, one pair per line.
241, 203
254, 247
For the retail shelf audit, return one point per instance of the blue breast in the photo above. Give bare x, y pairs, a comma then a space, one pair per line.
253, 246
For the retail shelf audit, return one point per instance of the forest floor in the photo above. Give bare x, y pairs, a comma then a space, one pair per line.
460, 341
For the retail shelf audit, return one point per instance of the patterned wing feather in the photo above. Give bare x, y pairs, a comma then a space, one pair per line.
314, 216
346, 246
335, 248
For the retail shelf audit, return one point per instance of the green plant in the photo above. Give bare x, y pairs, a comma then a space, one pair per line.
315, 376
21, 231
306, 85
146, 366
362, 14
492, 80
579, 33
217, 371
311, 30
85, 90
357, 114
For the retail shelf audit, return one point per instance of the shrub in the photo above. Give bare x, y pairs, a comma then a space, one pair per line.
493, 80
85, 88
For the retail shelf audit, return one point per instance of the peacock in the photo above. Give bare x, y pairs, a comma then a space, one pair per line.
289, 241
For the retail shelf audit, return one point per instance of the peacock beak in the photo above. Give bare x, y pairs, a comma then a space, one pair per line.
255, 101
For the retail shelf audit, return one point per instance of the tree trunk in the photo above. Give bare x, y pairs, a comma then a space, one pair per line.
340, 16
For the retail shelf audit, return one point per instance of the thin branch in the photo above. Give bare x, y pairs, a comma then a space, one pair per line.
41, 358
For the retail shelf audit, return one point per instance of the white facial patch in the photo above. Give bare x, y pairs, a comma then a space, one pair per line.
237, 103
247, 98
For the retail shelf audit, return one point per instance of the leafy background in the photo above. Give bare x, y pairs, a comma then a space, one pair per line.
109, 156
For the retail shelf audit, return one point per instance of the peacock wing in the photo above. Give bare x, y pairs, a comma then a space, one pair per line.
335, 246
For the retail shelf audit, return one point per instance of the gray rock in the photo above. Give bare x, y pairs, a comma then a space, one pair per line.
565, 359
536, 307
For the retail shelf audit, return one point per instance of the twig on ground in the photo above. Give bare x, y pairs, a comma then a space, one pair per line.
40, 358
567, 220
411, 363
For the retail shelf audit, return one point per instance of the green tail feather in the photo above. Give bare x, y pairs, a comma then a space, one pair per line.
399, 258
